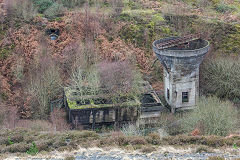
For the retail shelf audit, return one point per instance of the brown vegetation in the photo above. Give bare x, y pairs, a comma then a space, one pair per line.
19, 140
34, 68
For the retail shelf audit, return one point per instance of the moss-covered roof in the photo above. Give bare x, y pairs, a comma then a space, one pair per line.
102, 99
74, 105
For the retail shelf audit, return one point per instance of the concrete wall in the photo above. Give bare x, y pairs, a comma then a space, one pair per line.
98, 116
181, 73
184, 84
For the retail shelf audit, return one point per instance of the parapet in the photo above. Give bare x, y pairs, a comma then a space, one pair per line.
191, 48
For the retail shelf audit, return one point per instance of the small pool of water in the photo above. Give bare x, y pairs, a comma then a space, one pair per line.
53, 37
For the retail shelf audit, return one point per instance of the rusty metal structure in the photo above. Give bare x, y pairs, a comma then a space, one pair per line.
180, 41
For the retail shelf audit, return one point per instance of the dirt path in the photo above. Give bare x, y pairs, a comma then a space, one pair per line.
166, 152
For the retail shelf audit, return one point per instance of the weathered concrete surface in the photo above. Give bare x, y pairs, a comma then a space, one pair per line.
181, 71
91, 117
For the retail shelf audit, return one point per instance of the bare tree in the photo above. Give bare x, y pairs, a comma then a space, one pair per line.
21, 9
44, 84
58, 118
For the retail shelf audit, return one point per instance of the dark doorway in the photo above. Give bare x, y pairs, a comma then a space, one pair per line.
185, 97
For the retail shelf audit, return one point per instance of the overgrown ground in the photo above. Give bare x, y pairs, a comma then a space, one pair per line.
21, 140
34, 68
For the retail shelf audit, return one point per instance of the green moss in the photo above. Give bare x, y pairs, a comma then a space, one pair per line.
5, 51
158, 18
224, 37
138, 12
129, 4
143, 27
2, 32
133, 33
232, 40
58, 19
74, 105
165, 30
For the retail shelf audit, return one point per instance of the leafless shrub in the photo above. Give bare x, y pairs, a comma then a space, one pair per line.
21, 9
8, 117
44, 84
148, 149
88, 54
131, 130
154, 138
91, 24
117, 7
85, 77
169, 124
71, 56
35, 125
89, 21
79, 54
58, 118
206, 3
119, 78
2, 114
116, 76
120, 139
85, 82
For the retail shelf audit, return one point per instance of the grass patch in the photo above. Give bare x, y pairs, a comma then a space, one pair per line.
48, 141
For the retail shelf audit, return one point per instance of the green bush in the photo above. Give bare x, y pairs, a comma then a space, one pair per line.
72, 3
42, 5
54, 11
33, 150
221, 77
211, 117
223, 8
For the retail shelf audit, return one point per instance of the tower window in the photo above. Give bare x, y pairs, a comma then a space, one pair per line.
185, 97
168, 94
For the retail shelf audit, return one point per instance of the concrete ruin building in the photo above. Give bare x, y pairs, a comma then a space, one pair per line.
181, 58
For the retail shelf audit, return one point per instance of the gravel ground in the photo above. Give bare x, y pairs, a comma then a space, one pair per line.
116, 156
163, 153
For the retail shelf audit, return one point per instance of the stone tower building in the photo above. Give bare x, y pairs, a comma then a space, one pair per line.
181, 69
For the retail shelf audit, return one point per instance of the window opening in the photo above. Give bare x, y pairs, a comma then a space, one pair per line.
185, 97
168, 95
